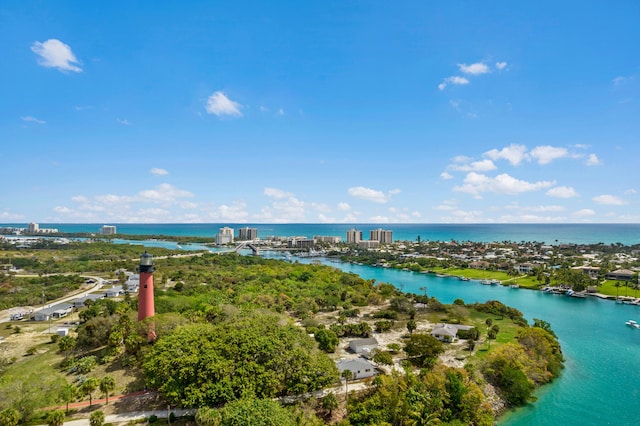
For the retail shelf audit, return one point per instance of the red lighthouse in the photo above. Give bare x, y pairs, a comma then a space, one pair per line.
145, 294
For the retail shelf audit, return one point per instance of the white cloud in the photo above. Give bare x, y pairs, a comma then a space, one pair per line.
501, 65
620, 80
583, 213
475, 166
630, 191
475, 184
344, 207
188, 205
277, 193
371, 194
220, 105
562, 192
457, 216
79, 199
6, 215
280, 112
263, 108
31, 119
593, 160
61, 209
124, 122
55, 54
456, 80
513, 153
284, 211
474, 69
610, 200
158, 172
164, 193
446, 176
546, 154
234, 212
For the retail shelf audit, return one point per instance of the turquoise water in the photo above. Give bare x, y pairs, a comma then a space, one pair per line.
627, 234
601, 382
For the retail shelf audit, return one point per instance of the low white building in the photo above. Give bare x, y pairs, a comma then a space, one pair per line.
360, 368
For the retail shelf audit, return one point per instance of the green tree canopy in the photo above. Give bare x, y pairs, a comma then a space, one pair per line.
254, 355
423, 348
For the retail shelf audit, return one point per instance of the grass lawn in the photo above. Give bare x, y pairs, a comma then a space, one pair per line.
609, 288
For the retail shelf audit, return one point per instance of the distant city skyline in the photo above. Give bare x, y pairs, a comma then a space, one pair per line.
320, 112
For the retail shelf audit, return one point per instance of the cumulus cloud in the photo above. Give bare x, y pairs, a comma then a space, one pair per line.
31, 119
280, 112
546, 154
475, 184
446, 176
474, 166
6, 215
369, 194
514, 154
501, 65
344, 207
159, 172
124, 122
55, 54
583, 213
220, 105
277, 193
455, 80
593, 160
610, 200
164, 193
474, 69
562, 192
630, 191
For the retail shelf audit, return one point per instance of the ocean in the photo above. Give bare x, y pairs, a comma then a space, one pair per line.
627, 234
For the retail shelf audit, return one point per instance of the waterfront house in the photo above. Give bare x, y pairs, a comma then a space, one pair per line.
620, 274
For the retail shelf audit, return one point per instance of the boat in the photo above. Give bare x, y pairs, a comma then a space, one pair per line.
514, 286
633, 324
495, 282
485, 282
464, 278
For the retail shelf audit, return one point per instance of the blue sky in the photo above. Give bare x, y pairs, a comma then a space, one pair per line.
320, 111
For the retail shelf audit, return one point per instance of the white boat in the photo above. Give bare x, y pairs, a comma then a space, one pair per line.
485, 282
633, 324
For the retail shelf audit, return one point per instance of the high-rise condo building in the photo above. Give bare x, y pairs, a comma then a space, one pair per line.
354, 236
108, 230
33, 228
384, 236
225, 236
246, 234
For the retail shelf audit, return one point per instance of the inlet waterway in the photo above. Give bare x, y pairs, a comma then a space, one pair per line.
600, 384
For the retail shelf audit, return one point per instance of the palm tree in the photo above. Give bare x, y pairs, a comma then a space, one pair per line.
68, 393
55, 418
107, 384
96, 418
88, 387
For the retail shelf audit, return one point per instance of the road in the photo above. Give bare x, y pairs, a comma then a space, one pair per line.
5, 316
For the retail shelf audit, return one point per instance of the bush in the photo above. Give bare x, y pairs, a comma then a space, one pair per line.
153, 419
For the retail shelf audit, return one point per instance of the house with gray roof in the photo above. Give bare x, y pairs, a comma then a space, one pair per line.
360, 368
363, 346
60, 310
448, 332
